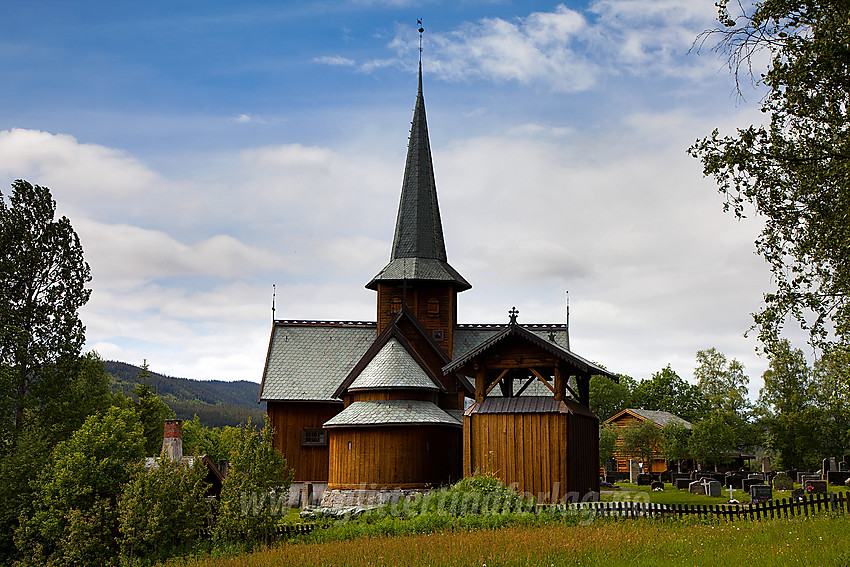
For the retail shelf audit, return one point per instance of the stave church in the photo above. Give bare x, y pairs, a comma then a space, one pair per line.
364, 410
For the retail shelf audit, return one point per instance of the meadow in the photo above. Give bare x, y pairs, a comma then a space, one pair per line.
820, 540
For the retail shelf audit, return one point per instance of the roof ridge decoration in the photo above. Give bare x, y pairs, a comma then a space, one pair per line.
419, 249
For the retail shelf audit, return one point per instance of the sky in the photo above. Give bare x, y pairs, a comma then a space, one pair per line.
206, 151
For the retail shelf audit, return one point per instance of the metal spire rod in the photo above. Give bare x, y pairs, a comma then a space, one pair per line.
421, 31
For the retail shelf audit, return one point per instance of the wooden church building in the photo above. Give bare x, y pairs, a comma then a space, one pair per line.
416, 400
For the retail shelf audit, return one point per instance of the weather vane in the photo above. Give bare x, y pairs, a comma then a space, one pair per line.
421, 31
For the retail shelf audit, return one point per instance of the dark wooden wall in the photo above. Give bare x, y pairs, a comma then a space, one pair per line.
417, 297
394, 457
535, 451
289, 419
659, 463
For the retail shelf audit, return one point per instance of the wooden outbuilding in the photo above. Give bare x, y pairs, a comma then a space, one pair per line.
629, 416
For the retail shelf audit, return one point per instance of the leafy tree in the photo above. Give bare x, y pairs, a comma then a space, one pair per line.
75, 517
723, 384
831, 396
215, 442
795, 171
713, 440
42, 286
163, 509
152, 412
608, 435
666, 391
255, 490
641, 440
790, 418
607, 397
674, 439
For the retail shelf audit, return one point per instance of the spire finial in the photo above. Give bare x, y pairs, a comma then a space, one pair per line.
513, 313
421, 31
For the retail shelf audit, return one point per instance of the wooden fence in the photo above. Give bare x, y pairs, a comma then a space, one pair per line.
806, 505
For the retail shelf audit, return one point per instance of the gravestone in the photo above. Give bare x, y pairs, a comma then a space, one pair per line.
837, 477
634, 471
759, 476
816, 487
807, 478
797, 493
824, 468
847, 483
733, 480
842, 466
713, 488
656, 485
696, 487
682, 483
748, 482
765, 464
667, 476
800, 476
782, 482
644, 479
760, 493
833, 465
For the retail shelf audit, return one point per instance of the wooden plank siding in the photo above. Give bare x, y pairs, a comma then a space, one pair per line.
534, 451
289, 419
394, 457
659, 463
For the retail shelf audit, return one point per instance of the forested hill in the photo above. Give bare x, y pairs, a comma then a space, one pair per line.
216, 402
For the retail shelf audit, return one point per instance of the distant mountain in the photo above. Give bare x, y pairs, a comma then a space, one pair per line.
216, 402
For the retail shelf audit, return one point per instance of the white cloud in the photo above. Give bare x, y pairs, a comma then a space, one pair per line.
335, 60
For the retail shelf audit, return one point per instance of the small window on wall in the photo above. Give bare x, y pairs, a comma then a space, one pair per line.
314, 437
395, 304
433, 307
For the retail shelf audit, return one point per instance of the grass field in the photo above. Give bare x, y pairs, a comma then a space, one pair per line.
611, 543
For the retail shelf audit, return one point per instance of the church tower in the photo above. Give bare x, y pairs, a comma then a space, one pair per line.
418, 275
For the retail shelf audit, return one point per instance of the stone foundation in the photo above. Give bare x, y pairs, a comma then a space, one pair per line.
337, 498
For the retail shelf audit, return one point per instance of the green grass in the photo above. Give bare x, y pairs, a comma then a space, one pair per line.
671, 495
611, 543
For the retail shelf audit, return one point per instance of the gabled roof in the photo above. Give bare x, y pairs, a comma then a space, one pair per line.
419, 250
309, 360
658, 417
394, 367
391, 412
392, 331
515, 330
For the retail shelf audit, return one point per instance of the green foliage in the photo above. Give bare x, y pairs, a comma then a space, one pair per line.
831, 383
794, 172
608, 435
713, 439
75, 515
163, 509
255, 491
607, 398
152, 412
641, 440
674, 440
42, 286
215, 442
723, 384
666, 391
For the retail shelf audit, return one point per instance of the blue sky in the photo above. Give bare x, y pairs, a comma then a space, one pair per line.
207, 150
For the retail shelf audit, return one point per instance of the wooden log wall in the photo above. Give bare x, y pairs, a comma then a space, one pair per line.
289, 419
394, 457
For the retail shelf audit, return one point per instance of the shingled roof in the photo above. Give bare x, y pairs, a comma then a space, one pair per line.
658, 417
393, 367
419, 251
391, 412
309, 360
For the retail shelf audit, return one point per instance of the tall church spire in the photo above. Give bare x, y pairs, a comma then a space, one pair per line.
419, 251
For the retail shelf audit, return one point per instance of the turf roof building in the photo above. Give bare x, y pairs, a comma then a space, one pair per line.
409, 401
